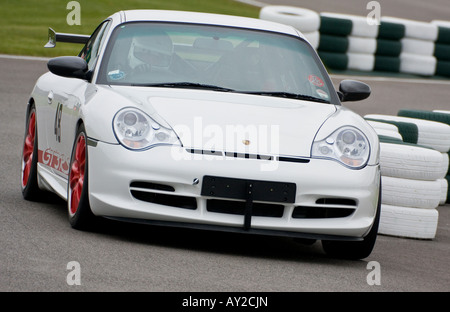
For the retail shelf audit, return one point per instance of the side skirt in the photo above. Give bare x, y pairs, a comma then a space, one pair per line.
51, 182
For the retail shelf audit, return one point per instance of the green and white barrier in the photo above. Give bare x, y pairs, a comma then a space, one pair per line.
346, 41
396, 45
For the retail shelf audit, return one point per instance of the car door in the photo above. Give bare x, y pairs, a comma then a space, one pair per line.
65, 99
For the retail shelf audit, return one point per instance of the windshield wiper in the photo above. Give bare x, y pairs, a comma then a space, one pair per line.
289, 95
188, 85
195, 85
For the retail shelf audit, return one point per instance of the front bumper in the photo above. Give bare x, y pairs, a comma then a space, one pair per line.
163, 185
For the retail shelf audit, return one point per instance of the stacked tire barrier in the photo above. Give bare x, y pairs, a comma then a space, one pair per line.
442, 48
349, 42
396, 45
414, 161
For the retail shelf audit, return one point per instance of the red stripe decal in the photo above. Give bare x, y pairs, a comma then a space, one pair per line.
54, 160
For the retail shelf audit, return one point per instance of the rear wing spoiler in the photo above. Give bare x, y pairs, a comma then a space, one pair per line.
54, 37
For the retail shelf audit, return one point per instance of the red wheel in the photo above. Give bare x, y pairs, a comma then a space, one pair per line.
77, 173
79, 210
28, 149
30, 188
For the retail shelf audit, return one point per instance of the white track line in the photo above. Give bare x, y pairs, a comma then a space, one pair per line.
252, 2
22, 57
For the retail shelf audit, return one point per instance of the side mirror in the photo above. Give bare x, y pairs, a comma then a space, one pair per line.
68, 66
352, 90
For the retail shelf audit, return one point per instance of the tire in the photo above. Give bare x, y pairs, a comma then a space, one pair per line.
444, 191
439, 116
390, 134
382, 125
313, 38
414, 29
411, 193
441, 111
362, 45
348, 25
417, 46
416, 64
78, 207
29, 179
361, 61
409, 131
390, 139
385, 129
408, 222
355, 250
430, 133
443, 31
447, 161
407, 161
448, 189
306, 21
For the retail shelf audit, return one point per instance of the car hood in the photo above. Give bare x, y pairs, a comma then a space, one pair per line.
232, 122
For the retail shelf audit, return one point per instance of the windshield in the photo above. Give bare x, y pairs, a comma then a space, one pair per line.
213, 57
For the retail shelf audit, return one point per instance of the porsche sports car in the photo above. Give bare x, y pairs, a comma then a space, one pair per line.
204, 121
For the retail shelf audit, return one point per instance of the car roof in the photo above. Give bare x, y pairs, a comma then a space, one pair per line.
205, 18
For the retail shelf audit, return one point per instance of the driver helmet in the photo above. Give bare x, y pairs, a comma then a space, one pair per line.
154, 49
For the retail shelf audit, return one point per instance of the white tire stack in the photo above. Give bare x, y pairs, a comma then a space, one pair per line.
442, 116
304, 20
413, 176
417, 56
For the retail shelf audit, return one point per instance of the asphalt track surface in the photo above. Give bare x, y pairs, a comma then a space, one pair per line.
37, 242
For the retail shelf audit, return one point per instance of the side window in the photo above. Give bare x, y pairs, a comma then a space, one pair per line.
91, 49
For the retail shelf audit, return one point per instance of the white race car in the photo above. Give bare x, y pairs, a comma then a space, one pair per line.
204, 121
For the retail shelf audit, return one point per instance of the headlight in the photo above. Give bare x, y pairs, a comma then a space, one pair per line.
347, 145
135, 130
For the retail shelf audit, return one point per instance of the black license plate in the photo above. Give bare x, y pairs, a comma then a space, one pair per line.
280, 192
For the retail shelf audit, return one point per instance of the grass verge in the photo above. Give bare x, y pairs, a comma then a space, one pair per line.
24, 24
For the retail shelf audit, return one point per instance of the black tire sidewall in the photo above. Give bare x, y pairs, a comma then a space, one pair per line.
356, 250
31, 189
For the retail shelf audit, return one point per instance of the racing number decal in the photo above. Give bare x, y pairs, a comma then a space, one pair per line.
58, 116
